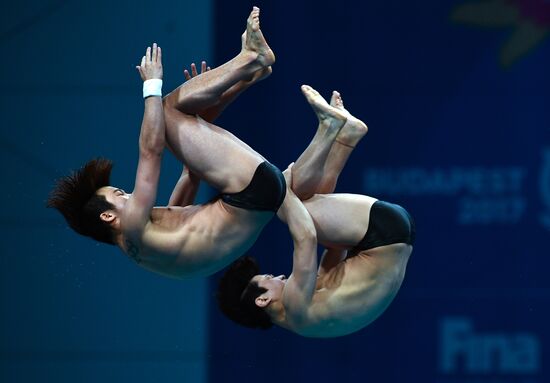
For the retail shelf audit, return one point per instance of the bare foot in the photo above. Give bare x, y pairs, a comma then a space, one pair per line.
330, 118
253, 39
261, 74
354, 129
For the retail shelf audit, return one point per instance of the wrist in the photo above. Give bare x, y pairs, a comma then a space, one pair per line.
152, 87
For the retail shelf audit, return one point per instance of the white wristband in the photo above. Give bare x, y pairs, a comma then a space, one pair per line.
152, 87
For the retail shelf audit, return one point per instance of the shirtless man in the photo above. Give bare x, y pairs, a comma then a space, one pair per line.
185, 240
359, 274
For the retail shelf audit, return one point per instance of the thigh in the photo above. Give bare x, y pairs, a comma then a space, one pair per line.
340, 219
210, 152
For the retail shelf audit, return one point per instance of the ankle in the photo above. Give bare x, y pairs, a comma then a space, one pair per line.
345, 144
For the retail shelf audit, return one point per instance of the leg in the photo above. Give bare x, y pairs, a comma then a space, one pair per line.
210, 93
348, 137
213, 154
331, 257
212, 112
317, 169
341, 220
205, 91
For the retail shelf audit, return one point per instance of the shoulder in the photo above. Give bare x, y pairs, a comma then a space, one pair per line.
132, 248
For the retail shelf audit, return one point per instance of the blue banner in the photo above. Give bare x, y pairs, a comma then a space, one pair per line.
456, 97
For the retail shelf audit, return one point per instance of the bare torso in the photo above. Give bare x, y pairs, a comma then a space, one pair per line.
196, 240
356, 291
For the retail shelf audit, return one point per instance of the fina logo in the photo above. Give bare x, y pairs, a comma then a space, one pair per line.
545, 187
463, 351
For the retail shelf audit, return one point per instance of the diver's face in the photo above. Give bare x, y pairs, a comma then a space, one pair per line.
273, 285
117, 197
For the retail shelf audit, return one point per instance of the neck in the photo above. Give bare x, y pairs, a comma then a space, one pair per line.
119, 240
277, 313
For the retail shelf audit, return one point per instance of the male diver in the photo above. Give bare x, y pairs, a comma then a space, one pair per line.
183, 240
368, 244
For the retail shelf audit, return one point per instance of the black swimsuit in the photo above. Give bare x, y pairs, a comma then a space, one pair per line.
266, 191
388, 224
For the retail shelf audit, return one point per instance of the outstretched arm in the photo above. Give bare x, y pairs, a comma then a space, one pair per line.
186, 189
151, 145
300, 286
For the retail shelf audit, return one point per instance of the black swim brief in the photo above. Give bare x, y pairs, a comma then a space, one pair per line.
266, 191
388, 224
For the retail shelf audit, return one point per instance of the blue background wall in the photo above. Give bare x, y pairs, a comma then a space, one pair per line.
73, 310
459, 122
456, 96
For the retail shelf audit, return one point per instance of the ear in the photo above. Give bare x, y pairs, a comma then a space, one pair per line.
107, 216
262, 301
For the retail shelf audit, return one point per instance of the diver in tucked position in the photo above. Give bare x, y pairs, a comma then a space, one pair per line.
183, 240
368, 243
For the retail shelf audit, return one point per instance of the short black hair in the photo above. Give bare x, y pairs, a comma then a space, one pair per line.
237, 294
75, 197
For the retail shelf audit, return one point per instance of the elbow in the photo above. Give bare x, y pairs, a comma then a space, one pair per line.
310, 233
152, 146
150, 152
307, 236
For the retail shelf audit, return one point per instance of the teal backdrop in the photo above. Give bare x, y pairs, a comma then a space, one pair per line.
74, 310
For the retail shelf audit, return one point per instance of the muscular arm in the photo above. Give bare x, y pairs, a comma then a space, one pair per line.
137, 211
186, 189
301, 283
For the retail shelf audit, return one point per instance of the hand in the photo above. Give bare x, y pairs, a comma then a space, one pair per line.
288, 175
151, 64
194, 72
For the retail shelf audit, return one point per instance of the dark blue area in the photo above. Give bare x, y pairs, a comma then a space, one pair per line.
436, 98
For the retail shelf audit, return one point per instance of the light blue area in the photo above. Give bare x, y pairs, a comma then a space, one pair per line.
74, 310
